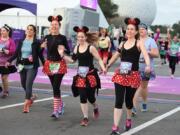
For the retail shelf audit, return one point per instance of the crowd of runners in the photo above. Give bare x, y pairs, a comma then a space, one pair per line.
135, 48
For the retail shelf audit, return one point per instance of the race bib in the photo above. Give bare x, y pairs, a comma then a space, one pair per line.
125, 68
162, 48
54, 67
83, 71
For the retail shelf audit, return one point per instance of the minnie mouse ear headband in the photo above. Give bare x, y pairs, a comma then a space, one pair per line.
133, 21
142, 25
83, 29
57, 18
7, 27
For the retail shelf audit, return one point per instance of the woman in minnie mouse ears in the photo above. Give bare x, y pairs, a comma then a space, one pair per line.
127, 77
87, 81
55, 66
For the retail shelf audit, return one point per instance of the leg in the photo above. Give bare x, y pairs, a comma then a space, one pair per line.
5, 85
136, 97
130, 92
144, 90
129, 105
83, 101
31, 75
119, 95
57, 102
84, 106
23, 79
92, 100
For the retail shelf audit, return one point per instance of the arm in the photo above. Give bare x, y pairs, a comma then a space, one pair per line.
15, 55
169, 37
145, 54
157, 34
66, 49
95, 53
115, 56
154, 52
40, 53
12, 47
109, 44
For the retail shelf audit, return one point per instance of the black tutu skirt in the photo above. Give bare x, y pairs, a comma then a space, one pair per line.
7, 70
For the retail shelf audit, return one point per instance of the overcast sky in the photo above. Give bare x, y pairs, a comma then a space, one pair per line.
168, 11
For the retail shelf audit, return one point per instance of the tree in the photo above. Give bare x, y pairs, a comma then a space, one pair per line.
175, 29
109, 9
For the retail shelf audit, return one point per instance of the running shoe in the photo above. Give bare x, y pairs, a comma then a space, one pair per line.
61, 109
134, 111
144, 107
5, 94
55, 114
115, 131
84, 122
128, 124
96, 113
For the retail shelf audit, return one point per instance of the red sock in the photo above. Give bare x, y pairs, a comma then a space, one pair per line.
56, 104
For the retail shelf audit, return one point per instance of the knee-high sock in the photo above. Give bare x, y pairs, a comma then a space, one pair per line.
56, 103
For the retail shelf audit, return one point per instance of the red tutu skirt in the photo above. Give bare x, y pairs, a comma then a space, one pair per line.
81, 82
103, 53
133, 79
61, 70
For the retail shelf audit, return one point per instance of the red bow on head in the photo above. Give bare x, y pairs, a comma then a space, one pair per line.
54, 18
132, 21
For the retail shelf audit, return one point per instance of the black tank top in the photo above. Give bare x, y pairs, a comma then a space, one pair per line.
85, 58
131, 55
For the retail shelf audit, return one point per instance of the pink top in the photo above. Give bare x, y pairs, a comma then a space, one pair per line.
8, 45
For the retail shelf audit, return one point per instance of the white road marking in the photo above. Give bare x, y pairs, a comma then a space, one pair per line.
20, 104
151, 122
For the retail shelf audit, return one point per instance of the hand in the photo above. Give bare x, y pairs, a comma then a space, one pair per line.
30, 58
7, 64
44, 44
5, 51
104, 71
61, 50
148, 69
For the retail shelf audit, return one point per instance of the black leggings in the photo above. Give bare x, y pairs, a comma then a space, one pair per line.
121, 92
172, 63
56, 80
87, 94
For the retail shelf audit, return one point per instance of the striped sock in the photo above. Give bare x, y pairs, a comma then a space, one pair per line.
56, 103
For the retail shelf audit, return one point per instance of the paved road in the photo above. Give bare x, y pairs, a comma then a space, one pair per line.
163, 117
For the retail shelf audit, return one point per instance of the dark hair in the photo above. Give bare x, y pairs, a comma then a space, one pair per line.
135, 22
83, 29
57, 18
34, 29
9, 29
92, 38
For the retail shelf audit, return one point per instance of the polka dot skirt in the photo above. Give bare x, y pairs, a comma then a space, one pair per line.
81, 82
132, 80
62, 70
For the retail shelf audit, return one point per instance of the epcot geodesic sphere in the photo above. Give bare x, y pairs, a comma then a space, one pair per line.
145, 10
